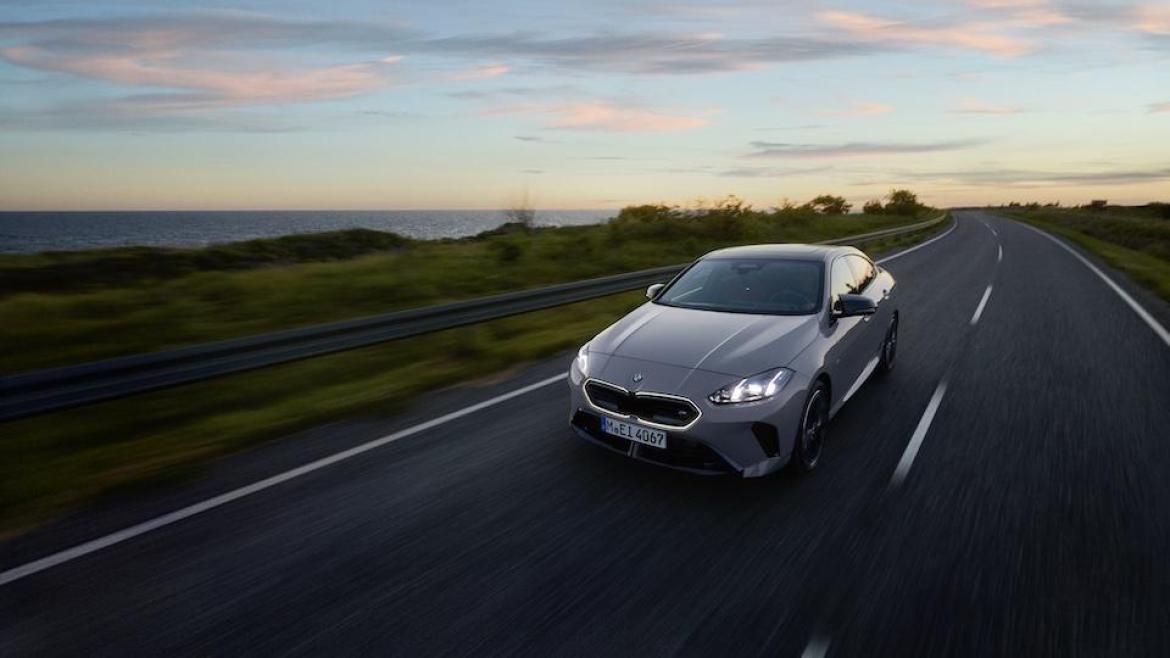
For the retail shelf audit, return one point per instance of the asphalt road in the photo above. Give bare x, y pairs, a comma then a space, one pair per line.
1033, 518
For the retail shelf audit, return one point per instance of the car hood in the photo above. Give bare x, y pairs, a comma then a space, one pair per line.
738, 344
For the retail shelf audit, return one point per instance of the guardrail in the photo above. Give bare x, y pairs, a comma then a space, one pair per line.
53, 389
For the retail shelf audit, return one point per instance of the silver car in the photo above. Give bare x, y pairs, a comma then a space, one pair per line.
737, 365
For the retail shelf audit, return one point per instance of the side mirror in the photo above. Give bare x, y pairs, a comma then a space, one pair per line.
848, 306
653, 290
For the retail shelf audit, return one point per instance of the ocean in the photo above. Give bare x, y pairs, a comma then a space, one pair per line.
31, 232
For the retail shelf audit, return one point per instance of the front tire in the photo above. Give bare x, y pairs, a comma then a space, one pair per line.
889, 348
810, 439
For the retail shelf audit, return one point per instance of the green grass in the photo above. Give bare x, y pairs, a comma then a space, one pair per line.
71, 317
1135, 240
52, 464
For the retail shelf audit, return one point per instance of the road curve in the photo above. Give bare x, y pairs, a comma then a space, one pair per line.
1003, 492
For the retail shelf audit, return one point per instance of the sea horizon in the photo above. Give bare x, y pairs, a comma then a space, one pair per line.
36, 231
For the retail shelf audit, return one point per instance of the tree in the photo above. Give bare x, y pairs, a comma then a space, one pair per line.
827, 204
903, 202
873, 207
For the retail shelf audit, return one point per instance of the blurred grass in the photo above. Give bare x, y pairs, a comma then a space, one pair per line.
52, 464
1135, 240
70, 317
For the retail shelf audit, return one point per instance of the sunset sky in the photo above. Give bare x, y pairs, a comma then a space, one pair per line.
596, 104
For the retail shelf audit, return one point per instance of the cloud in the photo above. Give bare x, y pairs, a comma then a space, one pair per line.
1032, 178
1158, 108
1152, 19
975, 106
613, 118
481, 72
854, 149
226, 85
970, 36
528, 138
768, 172
647, 53
605, 116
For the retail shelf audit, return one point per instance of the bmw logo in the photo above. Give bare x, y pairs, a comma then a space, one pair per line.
637, 377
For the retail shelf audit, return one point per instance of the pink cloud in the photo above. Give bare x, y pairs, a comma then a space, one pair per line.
604, 116
1154, 19
480, 72
974, 106
230, 83
609, 117
1159, 108
972, 36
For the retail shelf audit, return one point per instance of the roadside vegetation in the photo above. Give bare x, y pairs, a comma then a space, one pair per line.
116, 447
1133, 239
66, 308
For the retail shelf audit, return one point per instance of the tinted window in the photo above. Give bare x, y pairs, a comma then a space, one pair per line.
863, 271
765, 286
841, 281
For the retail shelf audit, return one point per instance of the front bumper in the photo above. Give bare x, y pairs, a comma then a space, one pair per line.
748, 440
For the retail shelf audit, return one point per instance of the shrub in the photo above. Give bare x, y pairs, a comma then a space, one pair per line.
873, 207
828, 204
903, 202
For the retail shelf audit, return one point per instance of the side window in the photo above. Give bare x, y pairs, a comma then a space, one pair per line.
863, 271
840, 281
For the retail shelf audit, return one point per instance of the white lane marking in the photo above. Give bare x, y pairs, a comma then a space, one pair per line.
1125, 297
954, 225
869, 367
982, 303
911, 451
98, 544
999, 258
817, 647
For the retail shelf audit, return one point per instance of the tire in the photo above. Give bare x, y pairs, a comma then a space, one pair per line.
889, 350
810, 436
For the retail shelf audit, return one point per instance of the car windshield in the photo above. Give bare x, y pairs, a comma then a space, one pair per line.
753, 285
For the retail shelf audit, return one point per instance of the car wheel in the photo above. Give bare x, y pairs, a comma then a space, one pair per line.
889, 347
810, 440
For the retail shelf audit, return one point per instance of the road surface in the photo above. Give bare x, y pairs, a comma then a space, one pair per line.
1006, 491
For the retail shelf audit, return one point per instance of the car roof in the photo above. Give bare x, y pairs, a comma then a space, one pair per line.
795, 251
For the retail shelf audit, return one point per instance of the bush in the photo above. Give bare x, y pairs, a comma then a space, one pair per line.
827, 204
873, 207
903, 202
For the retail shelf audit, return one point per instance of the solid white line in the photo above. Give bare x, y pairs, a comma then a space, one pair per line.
999, 258
98, 544
911, 451
982, 303
954, 225
1125, 297
817, 647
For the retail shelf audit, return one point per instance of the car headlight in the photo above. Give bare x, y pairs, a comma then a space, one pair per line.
583, 359
752, 389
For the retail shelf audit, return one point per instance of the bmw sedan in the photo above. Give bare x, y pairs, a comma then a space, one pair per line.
737, 364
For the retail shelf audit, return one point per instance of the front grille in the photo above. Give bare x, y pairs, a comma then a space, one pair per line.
679, 452
647, 406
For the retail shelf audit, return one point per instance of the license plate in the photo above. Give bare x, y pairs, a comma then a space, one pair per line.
643, 435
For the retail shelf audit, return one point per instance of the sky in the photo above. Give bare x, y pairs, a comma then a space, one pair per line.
357, 104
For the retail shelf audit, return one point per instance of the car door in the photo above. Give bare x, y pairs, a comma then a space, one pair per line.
847, 353
873, 327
